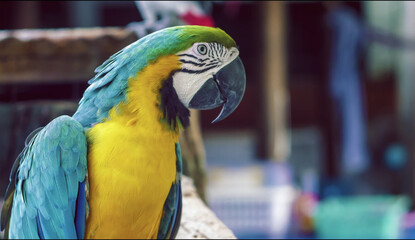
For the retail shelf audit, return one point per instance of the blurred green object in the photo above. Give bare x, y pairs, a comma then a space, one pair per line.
361, 217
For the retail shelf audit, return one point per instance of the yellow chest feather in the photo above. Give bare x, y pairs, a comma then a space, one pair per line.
132, 161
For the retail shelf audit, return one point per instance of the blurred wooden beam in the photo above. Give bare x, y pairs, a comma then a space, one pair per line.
273, 139
57, 55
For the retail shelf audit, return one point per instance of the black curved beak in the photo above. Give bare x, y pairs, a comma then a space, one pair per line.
226, 88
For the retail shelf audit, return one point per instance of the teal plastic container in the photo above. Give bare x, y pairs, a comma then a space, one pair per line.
361, 217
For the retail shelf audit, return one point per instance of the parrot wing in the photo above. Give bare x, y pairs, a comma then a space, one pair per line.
106, 90
172, 210
43, 198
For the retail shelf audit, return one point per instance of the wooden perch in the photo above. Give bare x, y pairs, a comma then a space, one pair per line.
198, 221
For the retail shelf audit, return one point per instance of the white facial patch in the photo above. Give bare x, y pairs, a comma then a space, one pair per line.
199, 64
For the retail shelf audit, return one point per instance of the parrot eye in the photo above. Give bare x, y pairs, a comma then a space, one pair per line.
202, 49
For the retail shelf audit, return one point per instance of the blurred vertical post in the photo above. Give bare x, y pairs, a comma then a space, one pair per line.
193, 153
27, 14
273, 139
405, 94
407, 109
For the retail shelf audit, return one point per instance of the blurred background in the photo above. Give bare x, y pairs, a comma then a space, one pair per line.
322, 144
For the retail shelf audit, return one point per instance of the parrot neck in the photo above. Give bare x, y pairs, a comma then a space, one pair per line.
151, 100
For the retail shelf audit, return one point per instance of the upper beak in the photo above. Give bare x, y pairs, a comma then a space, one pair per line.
226, 88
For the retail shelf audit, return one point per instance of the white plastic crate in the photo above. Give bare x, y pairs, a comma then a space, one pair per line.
249, 209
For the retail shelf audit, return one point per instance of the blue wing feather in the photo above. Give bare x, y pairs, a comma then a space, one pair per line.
49, 196
170, 222
80, 211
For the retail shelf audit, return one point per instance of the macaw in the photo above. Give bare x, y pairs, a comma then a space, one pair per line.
113, 169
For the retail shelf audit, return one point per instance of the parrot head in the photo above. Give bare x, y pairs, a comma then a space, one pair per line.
211, 73
203, 71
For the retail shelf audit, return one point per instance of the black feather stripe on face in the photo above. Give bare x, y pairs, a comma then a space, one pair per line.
172, 108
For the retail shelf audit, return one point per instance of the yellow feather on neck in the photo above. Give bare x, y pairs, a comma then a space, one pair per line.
142, 105
132, 160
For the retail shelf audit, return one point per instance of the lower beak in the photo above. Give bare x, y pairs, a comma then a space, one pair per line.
226, 88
